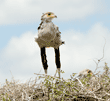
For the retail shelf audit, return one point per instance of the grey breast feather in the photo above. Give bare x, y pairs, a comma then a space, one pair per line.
47, 32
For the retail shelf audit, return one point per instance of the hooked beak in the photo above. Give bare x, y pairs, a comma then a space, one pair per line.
55, 16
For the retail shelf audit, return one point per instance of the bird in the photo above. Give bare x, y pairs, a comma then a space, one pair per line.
49, 36
85, 72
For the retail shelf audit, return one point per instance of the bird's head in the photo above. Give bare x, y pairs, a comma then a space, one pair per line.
48, 16
85, 72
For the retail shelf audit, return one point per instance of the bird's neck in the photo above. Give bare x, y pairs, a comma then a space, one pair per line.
47, 21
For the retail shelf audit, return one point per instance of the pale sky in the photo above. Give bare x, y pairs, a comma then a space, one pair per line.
83, 25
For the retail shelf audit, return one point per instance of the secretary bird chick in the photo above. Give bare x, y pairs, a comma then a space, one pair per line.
49, 36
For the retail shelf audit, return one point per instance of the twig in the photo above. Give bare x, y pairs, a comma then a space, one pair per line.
100, 58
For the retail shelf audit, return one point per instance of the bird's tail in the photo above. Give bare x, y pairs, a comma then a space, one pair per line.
63, 42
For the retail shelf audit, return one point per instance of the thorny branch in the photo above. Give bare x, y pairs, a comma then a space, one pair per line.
100, 58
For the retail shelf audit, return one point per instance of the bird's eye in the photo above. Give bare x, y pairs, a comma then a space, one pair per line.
49, 13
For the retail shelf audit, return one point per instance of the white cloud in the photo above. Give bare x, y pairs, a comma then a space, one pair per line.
30, 11
22, 54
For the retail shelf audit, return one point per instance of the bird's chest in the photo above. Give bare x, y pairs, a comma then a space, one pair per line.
47, 32
48, 28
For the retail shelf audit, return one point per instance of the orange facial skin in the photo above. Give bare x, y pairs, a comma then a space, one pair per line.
51, 15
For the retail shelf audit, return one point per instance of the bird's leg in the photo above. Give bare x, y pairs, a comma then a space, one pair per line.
57, 60
45, 71
58, 69
44, 60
